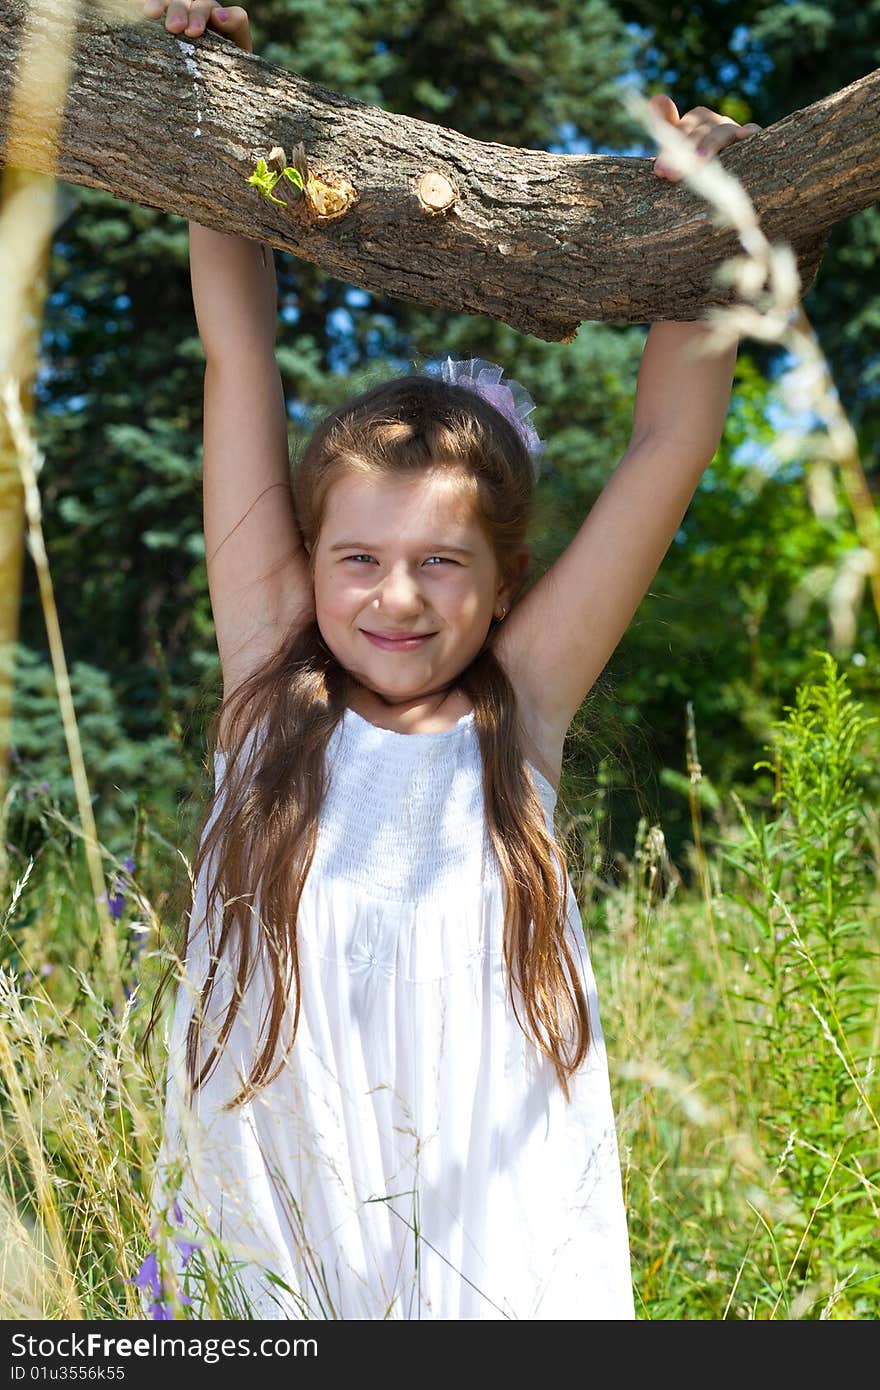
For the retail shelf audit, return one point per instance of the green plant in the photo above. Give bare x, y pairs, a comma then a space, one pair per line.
265, 179
809, 972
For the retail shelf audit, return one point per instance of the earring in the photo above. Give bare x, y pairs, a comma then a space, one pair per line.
502, 615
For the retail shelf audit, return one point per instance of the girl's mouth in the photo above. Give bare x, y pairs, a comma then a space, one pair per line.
402, 642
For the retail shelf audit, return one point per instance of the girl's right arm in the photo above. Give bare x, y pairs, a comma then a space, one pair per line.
258, 574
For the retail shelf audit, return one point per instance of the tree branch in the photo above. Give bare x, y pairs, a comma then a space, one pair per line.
536, 240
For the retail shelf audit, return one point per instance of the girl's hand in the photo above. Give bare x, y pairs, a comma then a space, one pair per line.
189, 19
705, 129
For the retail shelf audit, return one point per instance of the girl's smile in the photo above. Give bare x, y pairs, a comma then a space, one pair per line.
397, 642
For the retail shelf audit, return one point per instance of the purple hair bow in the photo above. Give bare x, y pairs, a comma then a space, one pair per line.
509, 397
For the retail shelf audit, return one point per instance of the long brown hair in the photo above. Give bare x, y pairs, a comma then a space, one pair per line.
260, 830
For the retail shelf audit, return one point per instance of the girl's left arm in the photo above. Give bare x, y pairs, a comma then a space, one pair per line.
560, 636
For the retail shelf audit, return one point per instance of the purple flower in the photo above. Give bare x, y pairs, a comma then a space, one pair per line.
116, 904
186, 1248
128, 864
46, 968
161, 1312
147, 1276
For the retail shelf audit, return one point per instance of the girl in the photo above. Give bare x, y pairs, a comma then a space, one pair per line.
387, 1093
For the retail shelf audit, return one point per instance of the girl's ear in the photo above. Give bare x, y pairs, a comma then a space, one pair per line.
516, 568
521, 562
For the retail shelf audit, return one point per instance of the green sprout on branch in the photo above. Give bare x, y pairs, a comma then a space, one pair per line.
265, 179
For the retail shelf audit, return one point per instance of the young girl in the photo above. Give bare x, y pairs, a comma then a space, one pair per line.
387, 1093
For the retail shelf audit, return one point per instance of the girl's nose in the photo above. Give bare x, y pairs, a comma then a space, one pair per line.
399, 592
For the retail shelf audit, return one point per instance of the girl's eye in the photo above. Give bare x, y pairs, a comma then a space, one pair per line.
441, 559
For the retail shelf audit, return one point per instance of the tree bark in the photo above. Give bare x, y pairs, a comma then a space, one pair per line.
539, 241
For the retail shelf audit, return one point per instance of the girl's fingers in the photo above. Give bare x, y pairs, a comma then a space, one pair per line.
234, 24
665, 107
708, 132
192, 17
177, 17
199, 13
710, 141
701, 124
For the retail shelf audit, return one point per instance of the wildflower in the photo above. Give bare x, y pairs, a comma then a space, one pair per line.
186, 1248
116, 898
160, 1311
46, 968
116, 903
147, 1276
150, 1280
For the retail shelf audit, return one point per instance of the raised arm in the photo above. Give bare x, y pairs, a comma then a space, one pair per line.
258, 574
560, 636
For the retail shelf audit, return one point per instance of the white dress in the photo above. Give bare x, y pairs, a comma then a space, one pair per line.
416, 1158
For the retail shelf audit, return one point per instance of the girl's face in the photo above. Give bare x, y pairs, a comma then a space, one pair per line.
406, 583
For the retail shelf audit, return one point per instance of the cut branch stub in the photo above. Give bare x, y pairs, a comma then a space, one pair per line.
329, 194
436, 192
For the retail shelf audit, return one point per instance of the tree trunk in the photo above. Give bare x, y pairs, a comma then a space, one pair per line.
536, 240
